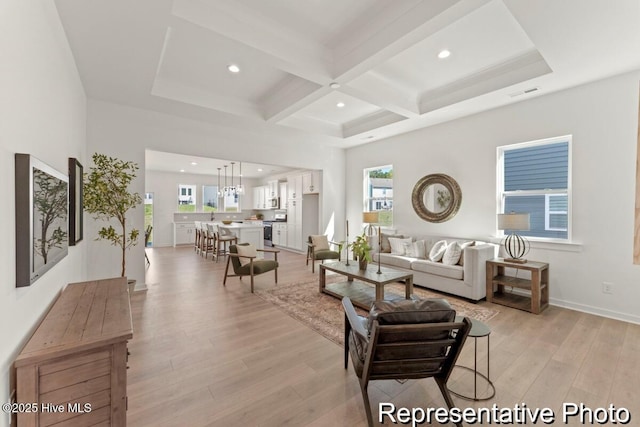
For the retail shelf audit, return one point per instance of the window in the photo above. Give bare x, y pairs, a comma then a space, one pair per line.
186, 198
209, 198
378, 193
534, 178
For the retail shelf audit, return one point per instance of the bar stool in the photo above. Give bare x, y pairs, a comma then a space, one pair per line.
223, 237
209, 237
196, 245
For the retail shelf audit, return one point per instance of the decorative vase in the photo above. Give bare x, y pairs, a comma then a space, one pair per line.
362, 263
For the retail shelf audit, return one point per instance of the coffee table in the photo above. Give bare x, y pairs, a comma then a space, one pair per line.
359, 291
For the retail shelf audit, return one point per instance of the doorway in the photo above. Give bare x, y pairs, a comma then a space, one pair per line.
148, 218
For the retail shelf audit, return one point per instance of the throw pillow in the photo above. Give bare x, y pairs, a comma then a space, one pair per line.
415, 249
386, 246
397, 245
437, 251
321, 243
465, 245
452, 254
244, 251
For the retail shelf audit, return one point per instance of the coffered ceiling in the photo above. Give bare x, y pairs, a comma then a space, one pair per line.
344, 72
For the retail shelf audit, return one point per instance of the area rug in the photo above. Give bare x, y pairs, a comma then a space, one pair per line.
323, 313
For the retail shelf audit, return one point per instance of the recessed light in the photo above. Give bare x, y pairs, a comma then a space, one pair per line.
233, 68
193, 163
334, 85
340, 104
444, 54
259, 169
181, 170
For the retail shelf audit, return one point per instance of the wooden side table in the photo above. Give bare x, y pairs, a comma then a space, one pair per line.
538, 285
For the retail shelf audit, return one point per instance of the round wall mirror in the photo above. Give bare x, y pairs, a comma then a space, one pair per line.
436, 197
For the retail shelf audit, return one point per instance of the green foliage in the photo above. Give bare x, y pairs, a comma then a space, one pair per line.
379, 173
50, 202
360, 247
106, 197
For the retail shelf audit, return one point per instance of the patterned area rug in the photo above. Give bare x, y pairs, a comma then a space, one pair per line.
323, 313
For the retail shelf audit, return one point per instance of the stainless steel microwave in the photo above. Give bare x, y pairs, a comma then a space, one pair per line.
274, 203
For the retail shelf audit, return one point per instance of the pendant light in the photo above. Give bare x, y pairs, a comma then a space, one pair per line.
240, 189
219, 188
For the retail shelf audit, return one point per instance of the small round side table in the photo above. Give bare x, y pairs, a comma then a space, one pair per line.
478, 330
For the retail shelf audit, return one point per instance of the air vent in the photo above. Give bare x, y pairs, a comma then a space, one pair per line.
524, 92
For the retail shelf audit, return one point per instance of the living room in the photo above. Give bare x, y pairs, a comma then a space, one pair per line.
53, 111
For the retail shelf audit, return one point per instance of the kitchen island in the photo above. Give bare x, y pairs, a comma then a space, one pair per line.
252, 233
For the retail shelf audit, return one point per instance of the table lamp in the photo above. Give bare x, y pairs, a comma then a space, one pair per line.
370, 218
515, 245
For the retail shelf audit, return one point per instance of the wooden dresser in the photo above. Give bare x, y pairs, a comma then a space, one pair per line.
74, 367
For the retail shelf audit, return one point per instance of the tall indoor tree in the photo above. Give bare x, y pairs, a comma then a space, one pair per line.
107, 197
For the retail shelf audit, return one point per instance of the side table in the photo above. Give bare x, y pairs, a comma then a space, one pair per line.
478, 330
538, 285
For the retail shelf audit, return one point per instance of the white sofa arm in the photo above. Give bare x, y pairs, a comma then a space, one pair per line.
475, 267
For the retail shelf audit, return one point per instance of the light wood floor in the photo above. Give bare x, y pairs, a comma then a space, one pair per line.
208, 355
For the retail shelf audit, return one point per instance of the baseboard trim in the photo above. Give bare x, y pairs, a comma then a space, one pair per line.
616, 315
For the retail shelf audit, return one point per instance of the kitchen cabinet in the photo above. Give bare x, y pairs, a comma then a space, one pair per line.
272, 189
184, 233
261, 198
279, 234
283, 195
294, 187
311, 182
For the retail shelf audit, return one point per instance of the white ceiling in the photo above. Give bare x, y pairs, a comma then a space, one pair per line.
172, 56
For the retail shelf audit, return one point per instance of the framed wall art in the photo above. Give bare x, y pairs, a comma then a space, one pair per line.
42, 224
75, 201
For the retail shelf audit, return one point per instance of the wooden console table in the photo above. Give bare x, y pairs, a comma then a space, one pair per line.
538, 285
74, 367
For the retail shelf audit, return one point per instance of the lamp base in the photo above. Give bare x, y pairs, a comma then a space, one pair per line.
516, 260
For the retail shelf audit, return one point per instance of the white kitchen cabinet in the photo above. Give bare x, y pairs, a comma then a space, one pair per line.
283, 195
260, 197
294, 187
311, 182
279, 234
294, 224
272, 189
184, 233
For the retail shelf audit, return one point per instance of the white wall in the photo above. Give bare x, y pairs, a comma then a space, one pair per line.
42, 113
603, 119
126, 132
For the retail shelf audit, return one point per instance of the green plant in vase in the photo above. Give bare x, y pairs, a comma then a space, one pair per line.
361, 250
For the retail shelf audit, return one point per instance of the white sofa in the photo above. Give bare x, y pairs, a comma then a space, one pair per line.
466, 279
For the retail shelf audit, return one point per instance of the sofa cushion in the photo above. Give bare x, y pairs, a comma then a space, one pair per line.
438, 250
415, 249
438, 268
397, 245
465, 245
396, 260
452, 254
385, 245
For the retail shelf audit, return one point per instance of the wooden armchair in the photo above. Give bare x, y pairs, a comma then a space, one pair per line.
404, 339
243, 259
319, 248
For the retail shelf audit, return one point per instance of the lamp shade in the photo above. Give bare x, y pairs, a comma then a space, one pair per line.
513, 221
370, 217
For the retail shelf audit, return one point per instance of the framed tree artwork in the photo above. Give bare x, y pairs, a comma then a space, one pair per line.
42, 224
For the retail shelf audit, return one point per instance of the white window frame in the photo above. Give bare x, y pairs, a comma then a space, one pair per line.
548, 212
501, 194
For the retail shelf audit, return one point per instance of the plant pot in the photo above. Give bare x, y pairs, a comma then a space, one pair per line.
362, 263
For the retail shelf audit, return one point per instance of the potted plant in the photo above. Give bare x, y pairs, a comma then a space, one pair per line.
107, 197
361, 250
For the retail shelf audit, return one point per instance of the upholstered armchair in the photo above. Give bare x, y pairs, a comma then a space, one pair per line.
243, 258
403, 339
319, 248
